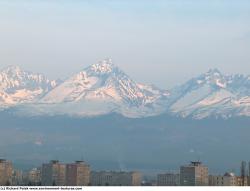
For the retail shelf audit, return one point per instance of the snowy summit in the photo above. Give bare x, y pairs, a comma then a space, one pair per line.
103, 88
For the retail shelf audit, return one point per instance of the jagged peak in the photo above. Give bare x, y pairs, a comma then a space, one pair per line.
213, 77
213, 71
12, 69
104, 66
13, 76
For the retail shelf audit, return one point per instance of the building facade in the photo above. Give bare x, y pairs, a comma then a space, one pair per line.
242, 181
112, 178
194, 174
168, 179
228, 179
34, 177
17, 178
77, 174
53, 174
5, 172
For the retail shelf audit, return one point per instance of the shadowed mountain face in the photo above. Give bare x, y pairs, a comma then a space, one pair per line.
114, 142
103, 88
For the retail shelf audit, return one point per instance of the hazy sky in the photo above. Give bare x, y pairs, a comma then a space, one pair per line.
163, 42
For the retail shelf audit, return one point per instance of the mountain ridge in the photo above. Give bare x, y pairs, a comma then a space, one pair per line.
103, 88
19, 86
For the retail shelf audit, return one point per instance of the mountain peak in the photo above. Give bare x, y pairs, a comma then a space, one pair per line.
103, 88
12, 69
103, 67
214, 71
215, 78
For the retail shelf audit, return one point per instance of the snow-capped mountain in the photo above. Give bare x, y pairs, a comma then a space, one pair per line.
18, 86
103, 88
212, 94
102, 81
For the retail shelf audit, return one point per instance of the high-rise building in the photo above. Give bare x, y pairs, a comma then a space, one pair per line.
77, 174
5, 172
17, 178
34, 177
243, 172
194, 174
168, 179
53, 174
104, 178
228, 179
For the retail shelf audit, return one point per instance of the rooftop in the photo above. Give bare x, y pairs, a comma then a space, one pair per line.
195, 163
54, 161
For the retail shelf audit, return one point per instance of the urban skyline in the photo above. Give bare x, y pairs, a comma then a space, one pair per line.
80, 173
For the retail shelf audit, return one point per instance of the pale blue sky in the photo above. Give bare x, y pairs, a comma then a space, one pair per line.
163, 42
